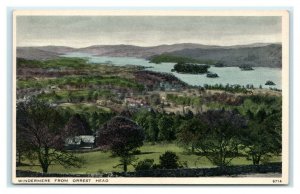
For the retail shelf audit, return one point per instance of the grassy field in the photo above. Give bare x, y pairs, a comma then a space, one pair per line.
66, 95
84, 107
79, 81
103, 161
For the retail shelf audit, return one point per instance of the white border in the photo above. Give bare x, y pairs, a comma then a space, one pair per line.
5, 88
285, 91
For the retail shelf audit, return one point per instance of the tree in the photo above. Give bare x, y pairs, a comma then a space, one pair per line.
97, 119
77, 125
147, 121
153, 129
166, 130
93, 120
262, 139
219, 140
188, 134
41, 127
146, 164
169, 160
121, 136
22, 145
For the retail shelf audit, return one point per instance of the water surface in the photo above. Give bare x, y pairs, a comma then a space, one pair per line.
227, 75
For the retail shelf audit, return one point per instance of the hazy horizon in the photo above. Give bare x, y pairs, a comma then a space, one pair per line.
256, 43
145, 31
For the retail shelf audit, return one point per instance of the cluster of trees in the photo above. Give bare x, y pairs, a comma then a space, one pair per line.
43, 129
122, 137
94, 119
82, 81
221, 135
91, 96
76, 95
263, 137
158, 126
215, 134
270, 102
228, 88
168, 160
76, 126
218, 135
40, 135
190, 68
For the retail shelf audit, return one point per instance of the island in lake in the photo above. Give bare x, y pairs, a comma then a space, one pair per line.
212, 75
270, 83
190, 68
246, 68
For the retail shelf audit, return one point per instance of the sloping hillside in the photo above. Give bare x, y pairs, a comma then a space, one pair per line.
265, 55
42, 53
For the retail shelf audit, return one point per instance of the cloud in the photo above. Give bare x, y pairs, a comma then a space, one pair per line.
81, 31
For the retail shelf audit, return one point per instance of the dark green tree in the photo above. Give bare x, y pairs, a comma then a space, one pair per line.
22, 146
41, 128
188, 134
169, 160
146, 164
219, 139
77, 125
166, 129
121, 136
262, 139
152, 130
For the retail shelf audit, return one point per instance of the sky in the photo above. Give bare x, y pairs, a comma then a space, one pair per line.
83, 31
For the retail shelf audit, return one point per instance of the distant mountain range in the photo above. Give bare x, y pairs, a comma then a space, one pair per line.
260, 54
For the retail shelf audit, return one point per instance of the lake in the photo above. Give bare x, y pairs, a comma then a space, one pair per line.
227, 75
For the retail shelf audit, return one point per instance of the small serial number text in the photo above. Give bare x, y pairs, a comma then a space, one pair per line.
277, 181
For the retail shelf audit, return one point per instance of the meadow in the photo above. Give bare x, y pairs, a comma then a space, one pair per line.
102, 162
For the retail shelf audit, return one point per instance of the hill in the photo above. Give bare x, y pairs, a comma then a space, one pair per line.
260, 54
257, 56
42, 53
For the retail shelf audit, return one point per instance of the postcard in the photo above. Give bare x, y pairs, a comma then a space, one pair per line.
150, 97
